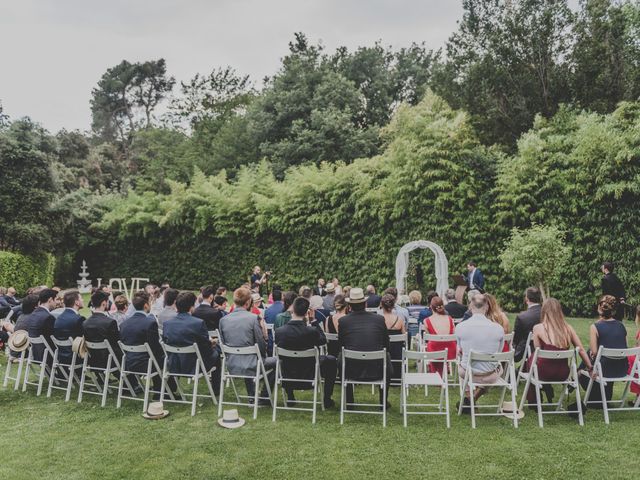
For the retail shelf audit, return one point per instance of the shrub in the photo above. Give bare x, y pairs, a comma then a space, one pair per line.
22, 271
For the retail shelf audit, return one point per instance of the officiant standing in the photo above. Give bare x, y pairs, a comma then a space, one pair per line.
611, 285
475, 279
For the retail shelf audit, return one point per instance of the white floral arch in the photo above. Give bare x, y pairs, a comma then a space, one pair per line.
441, 263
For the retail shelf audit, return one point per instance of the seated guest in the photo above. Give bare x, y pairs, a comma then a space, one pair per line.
29, 304
41, 322
366, 332
373, 299
58, 306
609, 333
439, 323
138, 329
332, 324
319, 314
205, 310
241, 328
327, 300
395, 326
453, 308
414, 309
100, 327
10, 297
298, 335
480, 335
554, 333
320, 288
270, 315
495, 314
183, 331
221, 292
122, 305
287, 302
69, 323
169, 311
220, 303
526, 320
470, 295
426, 311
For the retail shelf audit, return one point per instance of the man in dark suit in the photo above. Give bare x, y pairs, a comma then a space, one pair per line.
475, 279
525, 321
453, 308
363, 331
183, 331
69, 323
320, 288
205, 310
611, 285
100, 327
138, 329
297, 335
41, 322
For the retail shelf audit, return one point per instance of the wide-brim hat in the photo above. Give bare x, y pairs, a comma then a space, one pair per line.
508, 410
256, 297
19, 341
230, 419
356, 295
155, 411
330, 288
79, 346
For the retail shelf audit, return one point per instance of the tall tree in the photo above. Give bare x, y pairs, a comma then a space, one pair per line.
125, 99
506, 63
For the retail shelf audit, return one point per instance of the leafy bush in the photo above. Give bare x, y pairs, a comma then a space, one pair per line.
22, 271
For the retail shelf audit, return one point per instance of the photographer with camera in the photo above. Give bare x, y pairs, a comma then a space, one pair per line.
258, 278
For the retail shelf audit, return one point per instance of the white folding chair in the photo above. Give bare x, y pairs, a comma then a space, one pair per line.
507, 381
101, 376
260, 375
69, 371
41, 364
214, 334
145, 378
451, 365
523, 375
533, 379
11, 360
314, 383
424, 379
397, 363
375, 356
508, 338
200, 371
371, 309
631, 377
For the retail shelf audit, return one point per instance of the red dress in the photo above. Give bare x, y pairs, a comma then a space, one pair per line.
635, 388
434, 346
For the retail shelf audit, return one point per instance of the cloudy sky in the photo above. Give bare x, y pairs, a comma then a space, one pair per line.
53, 52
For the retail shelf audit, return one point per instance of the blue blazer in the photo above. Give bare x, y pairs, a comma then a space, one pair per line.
182, 331
136, 330
40, 322
478, 279
68, 324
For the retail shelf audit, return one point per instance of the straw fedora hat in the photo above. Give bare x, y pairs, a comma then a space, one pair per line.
508, 410
19, 341
330, 288
155, 411
230, 419
356, 295
79, 347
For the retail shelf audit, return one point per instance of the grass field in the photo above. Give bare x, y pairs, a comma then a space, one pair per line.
51, 439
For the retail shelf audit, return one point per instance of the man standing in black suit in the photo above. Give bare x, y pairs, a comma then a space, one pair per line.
41, 322
320, 288
297, 335
525, 321
366, 332
611, 285
100, 327
205, 310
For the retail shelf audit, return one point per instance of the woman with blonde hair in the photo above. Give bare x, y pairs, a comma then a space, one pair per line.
332, 323
496, 315
554, 333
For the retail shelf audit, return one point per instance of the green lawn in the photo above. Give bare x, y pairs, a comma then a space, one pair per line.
50, 439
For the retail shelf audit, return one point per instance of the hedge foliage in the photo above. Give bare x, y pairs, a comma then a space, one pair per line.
433, 181
22, 271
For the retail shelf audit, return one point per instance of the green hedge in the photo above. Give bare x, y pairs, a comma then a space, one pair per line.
22, 271
434, 181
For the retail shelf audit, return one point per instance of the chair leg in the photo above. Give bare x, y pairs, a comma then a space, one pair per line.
403, 403
256, 384
120, 384
41, 378
147, 390
342, 406
221, 399
514, 386
315, 401
7, 371
83, 377
194, 398
20, 366
472, 401
275, 399
446, 404
605, 407
105, 387
26, 375
52, 374
539, 406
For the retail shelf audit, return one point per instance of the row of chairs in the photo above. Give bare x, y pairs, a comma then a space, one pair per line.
96, 380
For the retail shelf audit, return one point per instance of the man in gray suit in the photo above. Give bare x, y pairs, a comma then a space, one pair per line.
241, 328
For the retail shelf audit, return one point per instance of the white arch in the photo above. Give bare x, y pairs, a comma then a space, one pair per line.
441, 263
